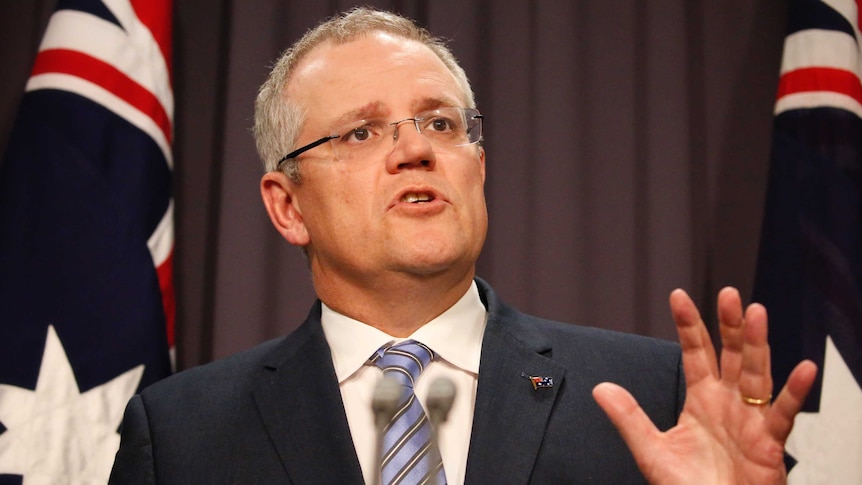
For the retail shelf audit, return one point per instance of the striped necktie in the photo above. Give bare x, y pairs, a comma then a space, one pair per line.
407, 455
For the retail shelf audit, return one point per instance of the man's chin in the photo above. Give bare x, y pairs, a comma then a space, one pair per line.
429, 266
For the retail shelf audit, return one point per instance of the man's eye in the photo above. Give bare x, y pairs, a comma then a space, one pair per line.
359, 134
366, 131
441, 124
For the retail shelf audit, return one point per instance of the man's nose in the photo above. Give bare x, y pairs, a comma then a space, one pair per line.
410, 148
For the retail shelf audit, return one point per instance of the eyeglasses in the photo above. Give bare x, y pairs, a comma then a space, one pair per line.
444, 127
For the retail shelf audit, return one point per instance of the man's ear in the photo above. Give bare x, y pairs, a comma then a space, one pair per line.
279, 197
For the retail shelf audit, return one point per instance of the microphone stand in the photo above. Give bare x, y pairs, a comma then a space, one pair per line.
384, 404
441, 395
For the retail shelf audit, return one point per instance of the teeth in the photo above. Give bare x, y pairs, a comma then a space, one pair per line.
414, 197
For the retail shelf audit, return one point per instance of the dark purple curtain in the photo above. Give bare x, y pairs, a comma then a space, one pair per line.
627, 147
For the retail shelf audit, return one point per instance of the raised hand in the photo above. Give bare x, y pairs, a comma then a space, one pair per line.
730, 431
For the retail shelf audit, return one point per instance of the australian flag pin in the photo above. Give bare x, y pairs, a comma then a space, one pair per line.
540, 382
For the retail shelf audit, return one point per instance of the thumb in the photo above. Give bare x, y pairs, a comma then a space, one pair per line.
631, 421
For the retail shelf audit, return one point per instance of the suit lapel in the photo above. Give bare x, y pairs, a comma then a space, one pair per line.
300, 403
510, 415
301, 408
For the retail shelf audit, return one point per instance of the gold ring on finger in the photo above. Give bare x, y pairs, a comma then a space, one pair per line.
756, 402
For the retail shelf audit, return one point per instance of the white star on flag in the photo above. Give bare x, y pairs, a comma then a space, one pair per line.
828, 444
55, 434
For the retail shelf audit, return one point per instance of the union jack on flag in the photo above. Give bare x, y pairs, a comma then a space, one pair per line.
809, 272
86, 292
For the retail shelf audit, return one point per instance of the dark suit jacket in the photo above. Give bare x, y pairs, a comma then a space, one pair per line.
274, 414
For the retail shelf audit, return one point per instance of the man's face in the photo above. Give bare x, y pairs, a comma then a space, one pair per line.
410, 208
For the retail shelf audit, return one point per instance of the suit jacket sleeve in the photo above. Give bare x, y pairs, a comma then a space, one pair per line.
134, 462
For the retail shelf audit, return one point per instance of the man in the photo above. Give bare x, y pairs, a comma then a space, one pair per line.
369, 134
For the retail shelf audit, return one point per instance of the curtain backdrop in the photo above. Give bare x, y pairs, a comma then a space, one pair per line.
627, 147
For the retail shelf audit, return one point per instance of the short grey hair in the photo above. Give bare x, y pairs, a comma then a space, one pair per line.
278, 119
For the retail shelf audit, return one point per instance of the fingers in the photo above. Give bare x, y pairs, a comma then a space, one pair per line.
745, 350
731, 329
755, 380
627, 416
779, 419
698, 353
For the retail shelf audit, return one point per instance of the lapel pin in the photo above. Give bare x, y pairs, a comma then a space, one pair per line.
540, 382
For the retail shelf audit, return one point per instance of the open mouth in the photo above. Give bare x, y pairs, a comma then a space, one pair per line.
417, 197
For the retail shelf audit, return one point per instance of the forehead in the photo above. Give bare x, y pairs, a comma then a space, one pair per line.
381, 70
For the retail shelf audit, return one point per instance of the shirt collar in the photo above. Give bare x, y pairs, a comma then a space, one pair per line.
455, 336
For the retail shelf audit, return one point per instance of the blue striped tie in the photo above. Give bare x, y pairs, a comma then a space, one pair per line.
407, 456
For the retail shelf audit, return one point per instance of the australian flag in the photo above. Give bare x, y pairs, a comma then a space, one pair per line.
809, 271
86, 239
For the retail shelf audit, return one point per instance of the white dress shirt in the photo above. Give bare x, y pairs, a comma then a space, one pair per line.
455, 336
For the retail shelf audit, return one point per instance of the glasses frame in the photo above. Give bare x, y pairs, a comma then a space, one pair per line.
299, 151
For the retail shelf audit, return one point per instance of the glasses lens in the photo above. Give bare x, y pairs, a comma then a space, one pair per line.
474, 125
358, 139
444, 127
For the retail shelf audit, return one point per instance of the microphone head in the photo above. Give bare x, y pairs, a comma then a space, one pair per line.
441, 395
384, 401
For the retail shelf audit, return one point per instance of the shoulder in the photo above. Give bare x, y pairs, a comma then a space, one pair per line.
588, 354
609, 354
598, 341
539, 332
236, 374
227, 376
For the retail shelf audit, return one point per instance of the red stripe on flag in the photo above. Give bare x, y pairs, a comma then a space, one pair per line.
165, 272
156, 15
820, 79
78, 64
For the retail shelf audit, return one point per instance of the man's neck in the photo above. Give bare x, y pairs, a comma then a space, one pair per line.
397, 305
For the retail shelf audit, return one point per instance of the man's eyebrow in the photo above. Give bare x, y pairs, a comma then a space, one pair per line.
425, 104
375, 109
370, 110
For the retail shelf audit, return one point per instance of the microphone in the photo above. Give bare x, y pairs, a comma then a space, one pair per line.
384, 404
441, 395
